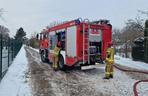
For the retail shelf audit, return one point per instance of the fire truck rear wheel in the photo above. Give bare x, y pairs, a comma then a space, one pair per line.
61, 62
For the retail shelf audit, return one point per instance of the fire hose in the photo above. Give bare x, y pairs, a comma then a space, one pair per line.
137, 82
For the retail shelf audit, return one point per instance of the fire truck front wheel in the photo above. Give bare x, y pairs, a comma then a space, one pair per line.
61, 62
43, 57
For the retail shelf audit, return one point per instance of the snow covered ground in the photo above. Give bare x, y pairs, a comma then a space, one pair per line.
81, 83
15, 82
37, 50
130, 63
33, 78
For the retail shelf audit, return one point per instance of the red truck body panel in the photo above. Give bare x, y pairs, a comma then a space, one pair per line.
106, 35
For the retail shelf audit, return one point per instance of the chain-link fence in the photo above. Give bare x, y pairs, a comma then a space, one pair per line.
8, 50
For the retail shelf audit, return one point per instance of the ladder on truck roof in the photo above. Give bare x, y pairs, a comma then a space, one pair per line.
86, 43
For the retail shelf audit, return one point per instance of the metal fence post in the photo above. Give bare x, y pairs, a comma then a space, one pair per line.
12, 50
8, 50
1, 55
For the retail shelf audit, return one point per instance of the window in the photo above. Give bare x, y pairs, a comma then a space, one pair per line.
52, 39
61, 38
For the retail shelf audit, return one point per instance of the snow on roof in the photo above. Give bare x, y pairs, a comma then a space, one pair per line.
14, 82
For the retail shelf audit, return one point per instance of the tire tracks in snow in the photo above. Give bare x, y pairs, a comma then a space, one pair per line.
39, 83
73, 83
79, 83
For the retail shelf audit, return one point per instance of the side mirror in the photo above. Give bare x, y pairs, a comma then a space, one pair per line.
37, 36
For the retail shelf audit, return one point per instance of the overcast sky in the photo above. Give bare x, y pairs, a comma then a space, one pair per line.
34, 15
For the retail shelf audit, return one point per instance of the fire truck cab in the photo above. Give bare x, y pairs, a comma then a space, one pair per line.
83, 42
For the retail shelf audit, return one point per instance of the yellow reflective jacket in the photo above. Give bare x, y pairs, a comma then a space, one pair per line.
110, 55
56, 51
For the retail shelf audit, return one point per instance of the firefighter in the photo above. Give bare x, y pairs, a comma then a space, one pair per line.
56, 52
45, 43
109, 61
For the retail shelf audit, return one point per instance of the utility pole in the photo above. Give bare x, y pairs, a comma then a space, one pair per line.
146, 41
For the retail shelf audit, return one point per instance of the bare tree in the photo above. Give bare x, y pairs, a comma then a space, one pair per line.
4, 31
116, 35
1, 13
143, 12
134, 28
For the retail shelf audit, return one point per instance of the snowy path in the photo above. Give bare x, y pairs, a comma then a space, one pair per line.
43, 81
79, 83
15, 82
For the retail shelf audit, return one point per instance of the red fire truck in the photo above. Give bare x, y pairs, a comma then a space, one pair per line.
83, 42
